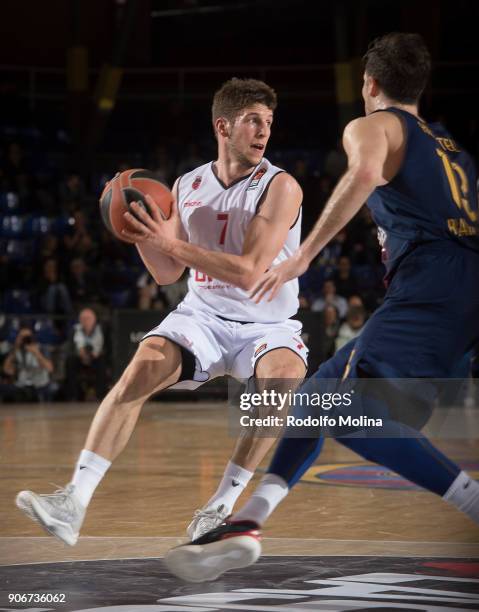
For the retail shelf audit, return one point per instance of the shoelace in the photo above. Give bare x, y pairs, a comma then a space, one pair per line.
205, 513
61, 492
208, 513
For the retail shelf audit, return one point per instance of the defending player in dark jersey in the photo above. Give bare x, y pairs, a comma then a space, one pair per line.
421, 189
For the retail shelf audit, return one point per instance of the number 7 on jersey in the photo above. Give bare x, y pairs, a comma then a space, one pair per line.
223, 217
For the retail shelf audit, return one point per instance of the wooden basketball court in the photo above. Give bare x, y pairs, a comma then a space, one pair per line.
174, 462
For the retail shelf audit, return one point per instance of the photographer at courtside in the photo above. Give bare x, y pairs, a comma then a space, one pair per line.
29, 367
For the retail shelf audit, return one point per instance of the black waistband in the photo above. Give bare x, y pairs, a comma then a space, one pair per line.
234, 321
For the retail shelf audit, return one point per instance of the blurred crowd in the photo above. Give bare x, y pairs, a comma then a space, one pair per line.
62, 273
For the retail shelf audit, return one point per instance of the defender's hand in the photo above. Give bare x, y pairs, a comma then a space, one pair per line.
274, 278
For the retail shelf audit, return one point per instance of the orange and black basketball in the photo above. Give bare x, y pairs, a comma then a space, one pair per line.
127, 187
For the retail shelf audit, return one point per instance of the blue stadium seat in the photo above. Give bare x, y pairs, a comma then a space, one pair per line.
46, 333
368, 276
61, 225
13, 325
119, 299
17, 301
9, 203
37, 226
12, 226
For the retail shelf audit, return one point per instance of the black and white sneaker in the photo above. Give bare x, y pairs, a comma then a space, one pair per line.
229, 546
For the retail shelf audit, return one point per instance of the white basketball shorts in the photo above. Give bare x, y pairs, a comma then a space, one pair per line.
223, 347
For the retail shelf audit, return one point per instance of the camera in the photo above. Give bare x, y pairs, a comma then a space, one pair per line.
27, 340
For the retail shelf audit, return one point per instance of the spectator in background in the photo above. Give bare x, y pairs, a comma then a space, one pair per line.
303, 302
331, 328
53, 294
86, 359
355, 300
316, 191
362, 242
113, 249
345, 282
49, 247
79, 241
29, 367
330, 297
312, 202
328, 258
72, 192
82, 283
150, 296
352, 327
5, 344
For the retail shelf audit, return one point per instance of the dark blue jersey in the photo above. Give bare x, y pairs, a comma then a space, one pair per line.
433, 197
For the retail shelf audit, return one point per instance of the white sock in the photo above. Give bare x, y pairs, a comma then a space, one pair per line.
271, 490
231, 486
464, 495
89, 471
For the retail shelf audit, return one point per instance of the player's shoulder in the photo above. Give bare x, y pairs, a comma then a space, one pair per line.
383, 119
283, 181
283, 193
382, 124
278, 176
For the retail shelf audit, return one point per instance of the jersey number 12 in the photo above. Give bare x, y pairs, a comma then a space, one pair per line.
459, 188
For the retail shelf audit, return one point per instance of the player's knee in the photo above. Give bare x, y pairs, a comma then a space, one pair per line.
289, 368
149, 371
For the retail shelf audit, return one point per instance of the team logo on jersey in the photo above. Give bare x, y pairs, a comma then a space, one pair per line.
256, 179
197, 182
260, 349
300, 344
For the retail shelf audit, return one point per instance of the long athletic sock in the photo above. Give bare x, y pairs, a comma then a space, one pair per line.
292, 458
464, 495
270, 491
89, 471
231, 486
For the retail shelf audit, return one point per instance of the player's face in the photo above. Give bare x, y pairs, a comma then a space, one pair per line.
250, 133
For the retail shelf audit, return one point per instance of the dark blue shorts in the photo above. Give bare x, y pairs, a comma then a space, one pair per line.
429, 319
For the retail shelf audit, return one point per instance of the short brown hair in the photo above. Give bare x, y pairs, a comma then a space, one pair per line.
237, 94
400, 63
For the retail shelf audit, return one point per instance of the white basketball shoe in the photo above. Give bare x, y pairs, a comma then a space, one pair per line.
59, 513
206, 519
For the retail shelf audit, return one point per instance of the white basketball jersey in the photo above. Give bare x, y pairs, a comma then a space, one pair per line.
216, 218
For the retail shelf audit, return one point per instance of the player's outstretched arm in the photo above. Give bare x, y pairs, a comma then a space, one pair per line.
366, 143
264, 237
163, 268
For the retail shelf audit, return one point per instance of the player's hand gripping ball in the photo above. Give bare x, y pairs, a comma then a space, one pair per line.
127, 187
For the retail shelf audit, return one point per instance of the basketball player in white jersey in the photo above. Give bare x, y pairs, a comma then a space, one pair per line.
233, 218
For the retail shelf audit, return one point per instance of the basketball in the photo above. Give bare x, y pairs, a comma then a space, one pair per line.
127, 187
